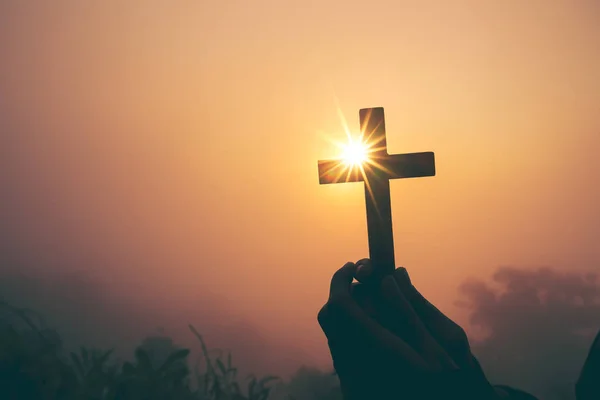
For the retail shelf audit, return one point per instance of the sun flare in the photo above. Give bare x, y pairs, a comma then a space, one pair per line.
355, 153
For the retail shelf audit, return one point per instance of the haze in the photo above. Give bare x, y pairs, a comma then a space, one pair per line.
167, 151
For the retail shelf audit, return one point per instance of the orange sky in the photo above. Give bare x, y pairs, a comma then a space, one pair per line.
175, 143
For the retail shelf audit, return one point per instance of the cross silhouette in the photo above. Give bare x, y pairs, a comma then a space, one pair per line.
376, 173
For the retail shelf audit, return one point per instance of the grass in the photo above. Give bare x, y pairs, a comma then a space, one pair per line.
34, 365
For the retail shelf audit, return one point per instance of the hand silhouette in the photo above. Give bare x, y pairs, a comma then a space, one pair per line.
388, 342
588, 384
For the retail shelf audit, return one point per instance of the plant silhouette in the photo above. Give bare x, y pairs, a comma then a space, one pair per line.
33, 365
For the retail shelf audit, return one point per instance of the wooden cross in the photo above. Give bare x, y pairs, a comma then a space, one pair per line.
376, 173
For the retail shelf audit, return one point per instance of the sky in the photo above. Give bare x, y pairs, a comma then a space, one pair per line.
169, 149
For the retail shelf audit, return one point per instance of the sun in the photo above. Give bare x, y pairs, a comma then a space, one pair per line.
355, 153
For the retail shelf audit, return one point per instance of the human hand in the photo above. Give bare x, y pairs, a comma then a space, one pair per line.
388, 342
588, 384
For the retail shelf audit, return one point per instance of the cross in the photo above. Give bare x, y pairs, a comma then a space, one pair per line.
376, 174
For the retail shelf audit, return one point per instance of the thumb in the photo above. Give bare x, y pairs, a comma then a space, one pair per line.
364, 270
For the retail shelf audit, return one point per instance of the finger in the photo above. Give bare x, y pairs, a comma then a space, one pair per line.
350, 351
429, 314
348, 358
341, 282
368, 272
406, 322
399, 315
364, 261
326, 321
366, 297
340, 291
331, 322
363, 295
445, 331
364, 270
339, 337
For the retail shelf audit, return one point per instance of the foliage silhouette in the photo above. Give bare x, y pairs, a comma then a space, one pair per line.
33, 365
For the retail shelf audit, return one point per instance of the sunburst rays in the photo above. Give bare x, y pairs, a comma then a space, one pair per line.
360, 156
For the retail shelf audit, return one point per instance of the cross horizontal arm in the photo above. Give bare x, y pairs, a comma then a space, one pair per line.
397, 166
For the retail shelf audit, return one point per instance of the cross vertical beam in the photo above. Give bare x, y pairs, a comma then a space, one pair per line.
377, 194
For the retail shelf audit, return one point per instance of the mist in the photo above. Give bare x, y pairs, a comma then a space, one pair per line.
86, 311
